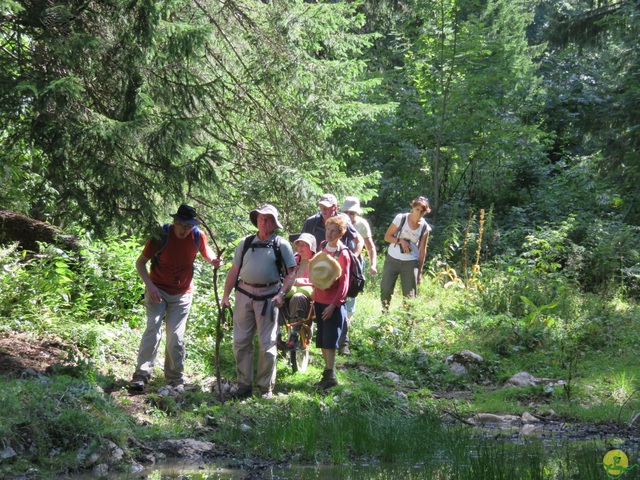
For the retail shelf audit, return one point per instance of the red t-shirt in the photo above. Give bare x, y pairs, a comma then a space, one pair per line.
174, 271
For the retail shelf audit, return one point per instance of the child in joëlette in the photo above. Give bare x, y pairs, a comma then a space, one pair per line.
329, 304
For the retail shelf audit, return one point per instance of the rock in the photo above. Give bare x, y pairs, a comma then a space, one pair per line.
394, 377
460, 362
87, 457
458, 368
135, 468
7, 453
116, 454
528, 418
529, 429
522, 379
490, 418
101, 470
146, 458
525, 379
401, 395
187, 448
471, 357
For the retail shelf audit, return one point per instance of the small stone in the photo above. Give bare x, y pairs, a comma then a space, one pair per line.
458, 368
101, 470
471, 357
394, 377
528, 418
7, 453
522, 379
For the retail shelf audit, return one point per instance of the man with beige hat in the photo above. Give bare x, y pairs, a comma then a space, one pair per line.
315, 224
256, 270
351, 207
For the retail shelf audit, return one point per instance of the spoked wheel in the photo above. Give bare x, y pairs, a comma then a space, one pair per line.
299, 357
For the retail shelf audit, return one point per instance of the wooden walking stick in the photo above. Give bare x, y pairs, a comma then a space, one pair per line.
221, 309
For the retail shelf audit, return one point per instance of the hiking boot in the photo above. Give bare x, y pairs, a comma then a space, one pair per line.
328, 380
319, 382
137, 385
240, 393
268, 395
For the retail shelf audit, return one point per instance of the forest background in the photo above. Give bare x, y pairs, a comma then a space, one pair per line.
518, 119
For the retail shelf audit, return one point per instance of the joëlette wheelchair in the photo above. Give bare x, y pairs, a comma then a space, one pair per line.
295, 332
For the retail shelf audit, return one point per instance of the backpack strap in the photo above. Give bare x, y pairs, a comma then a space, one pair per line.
275, 245
403, 220
422, 232
336, 254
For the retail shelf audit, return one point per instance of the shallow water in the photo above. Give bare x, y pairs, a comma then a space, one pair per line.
584, 463
546, 451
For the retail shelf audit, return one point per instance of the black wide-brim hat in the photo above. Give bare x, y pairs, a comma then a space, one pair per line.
186, 214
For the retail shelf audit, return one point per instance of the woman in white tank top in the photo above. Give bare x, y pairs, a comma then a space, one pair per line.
407, 235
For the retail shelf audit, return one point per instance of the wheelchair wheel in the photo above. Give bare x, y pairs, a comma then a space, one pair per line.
299, 357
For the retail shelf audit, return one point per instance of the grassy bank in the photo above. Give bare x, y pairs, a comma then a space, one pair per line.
394, 388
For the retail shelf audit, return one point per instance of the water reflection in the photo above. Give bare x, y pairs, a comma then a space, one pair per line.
190, 470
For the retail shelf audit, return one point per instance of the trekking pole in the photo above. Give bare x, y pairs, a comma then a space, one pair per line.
221, 310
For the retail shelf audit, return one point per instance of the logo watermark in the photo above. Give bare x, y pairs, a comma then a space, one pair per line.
615, 463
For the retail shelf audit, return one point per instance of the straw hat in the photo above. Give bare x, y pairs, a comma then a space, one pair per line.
324, 270
351, 204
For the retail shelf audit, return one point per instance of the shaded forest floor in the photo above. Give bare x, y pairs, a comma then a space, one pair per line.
24, 356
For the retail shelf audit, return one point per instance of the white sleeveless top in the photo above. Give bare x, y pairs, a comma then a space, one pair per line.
409, 234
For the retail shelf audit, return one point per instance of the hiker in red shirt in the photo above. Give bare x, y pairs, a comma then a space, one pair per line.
168, 294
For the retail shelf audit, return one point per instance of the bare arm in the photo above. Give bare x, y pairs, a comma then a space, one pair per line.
390, 236
287, 283
359, 243
373, 257
152, 290
229, 283
210, 257
422, 254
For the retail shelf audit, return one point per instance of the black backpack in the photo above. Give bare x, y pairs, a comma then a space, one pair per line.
356, 273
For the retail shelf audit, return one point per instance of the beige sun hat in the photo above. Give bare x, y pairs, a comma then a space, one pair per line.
309, 240
351, 204
328, 200
323, 270
265, 209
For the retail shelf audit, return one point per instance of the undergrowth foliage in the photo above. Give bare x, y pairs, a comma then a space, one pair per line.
526, 313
